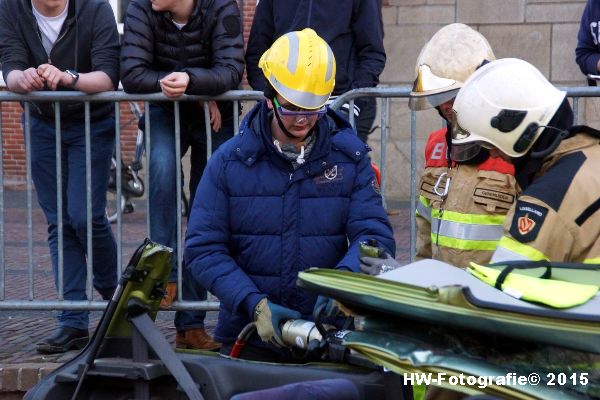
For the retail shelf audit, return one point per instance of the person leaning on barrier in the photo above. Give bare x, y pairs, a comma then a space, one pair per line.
509, 107
352, 28
182, 47
67, 45
294, 190
464, 193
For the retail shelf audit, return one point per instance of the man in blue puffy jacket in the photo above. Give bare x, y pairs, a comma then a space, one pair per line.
294, 190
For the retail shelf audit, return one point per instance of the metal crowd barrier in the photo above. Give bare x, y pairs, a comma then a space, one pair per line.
238, 96
30, 303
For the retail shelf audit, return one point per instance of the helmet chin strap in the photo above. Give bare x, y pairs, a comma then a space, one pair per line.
562, 134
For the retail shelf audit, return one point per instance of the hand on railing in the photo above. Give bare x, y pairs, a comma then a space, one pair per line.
174, 84
215, 116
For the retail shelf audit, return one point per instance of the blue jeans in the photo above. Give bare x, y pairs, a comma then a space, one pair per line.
43, 168
163, 191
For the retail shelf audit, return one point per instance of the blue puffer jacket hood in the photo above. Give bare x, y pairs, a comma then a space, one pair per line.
256, 222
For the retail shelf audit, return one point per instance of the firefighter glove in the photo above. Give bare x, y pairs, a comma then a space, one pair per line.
376, 266
269, 317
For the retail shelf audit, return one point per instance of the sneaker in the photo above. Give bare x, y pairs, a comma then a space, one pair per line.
196, 339
64, 339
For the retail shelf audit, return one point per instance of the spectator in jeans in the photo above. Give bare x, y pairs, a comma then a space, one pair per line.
182, 47
352, 28
67, 45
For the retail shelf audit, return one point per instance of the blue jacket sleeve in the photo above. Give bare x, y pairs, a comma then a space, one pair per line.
261, 37
367, 218
207, 243
368, 42
587, 52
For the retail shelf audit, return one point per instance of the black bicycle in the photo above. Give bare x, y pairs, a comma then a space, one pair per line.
132, 185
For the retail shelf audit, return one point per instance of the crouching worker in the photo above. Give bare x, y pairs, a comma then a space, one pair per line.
294, 190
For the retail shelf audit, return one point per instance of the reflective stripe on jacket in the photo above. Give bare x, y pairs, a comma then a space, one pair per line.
557, 218
467, 224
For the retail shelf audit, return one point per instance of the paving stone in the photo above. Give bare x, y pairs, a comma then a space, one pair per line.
8, 378
28, 376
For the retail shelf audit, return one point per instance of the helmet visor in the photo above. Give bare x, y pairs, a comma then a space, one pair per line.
430, 90
465, 152
425, 102
465, 149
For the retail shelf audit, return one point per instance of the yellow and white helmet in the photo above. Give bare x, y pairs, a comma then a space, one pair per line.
505, 104
301, 68
452, 54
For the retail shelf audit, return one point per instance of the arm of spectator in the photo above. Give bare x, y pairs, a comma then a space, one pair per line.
367, 218
104, 54
368, 42
587, 52
215, 116
261, 38
24, 81
90, 82
137, 52
207, 243
19, 75
227, 54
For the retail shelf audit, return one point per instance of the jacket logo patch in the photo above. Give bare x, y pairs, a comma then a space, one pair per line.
525, 224
527, 221
332, 174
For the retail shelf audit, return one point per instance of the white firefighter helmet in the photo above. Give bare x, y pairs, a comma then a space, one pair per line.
505, 104
452, 54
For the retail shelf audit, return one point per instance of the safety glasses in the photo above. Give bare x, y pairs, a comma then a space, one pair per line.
291, 110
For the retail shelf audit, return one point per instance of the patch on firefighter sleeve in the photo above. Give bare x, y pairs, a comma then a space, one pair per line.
527, 221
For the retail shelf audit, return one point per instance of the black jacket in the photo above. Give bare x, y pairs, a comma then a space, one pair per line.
352, 28
89, 34
210, 48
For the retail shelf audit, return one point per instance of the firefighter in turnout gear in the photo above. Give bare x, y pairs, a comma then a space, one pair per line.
509, 107
464, 193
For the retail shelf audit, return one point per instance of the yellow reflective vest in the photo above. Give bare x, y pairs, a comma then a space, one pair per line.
464, 222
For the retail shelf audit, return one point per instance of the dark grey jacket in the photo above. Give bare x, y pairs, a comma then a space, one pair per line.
210, 48
87, 42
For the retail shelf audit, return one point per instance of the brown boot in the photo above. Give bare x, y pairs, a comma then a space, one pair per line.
170, 295
195, 339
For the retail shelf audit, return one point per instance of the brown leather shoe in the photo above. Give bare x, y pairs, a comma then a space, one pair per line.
195, 339
170, 295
